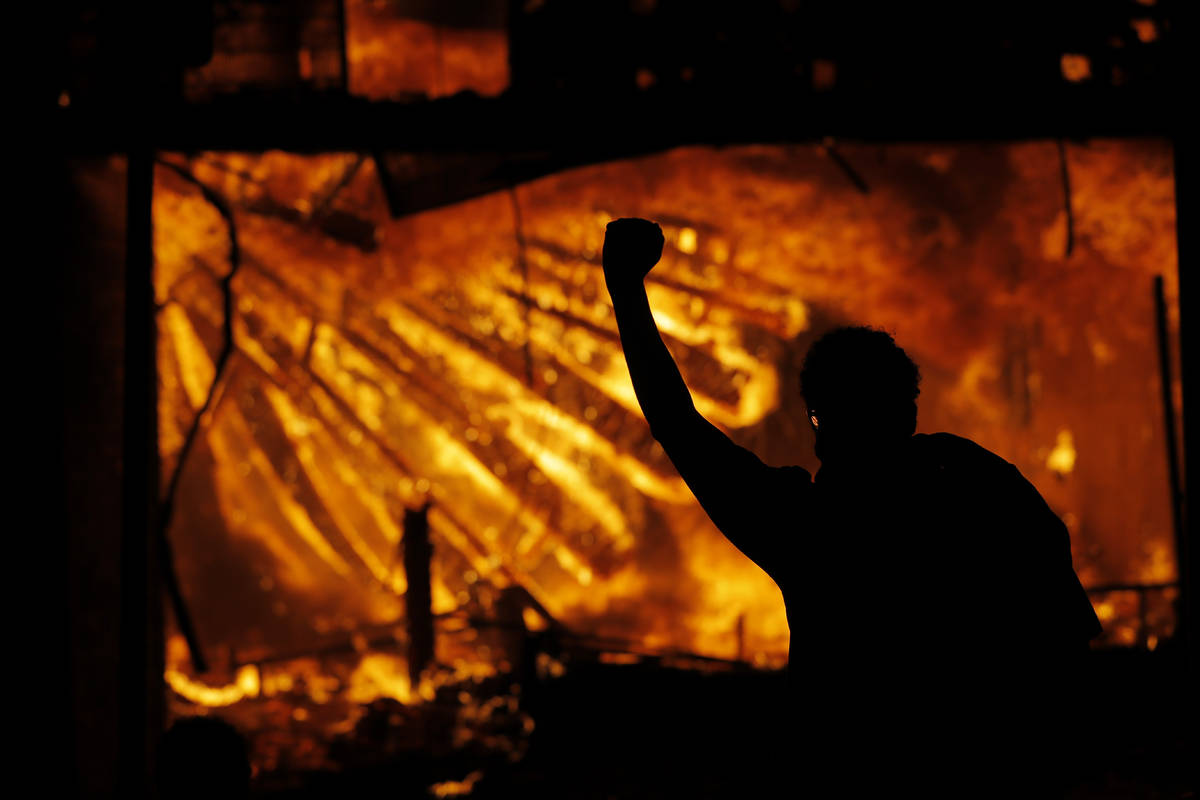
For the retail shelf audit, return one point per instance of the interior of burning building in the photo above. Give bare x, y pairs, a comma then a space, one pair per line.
373, 485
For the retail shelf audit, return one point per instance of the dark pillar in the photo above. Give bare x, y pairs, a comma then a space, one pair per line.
141, 636
418, 553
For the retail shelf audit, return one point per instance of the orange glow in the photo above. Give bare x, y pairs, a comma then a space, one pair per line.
1062, 458
1146, 30
619, 658
533, 620
1075, 67
456, 788
390, 56
380, 675
366, 381
245, 685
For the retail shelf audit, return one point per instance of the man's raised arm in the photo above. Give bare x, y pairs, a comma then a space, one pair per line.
738, 491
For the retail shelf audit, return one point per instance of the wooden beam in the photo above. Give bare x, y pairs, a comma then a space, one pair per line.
603, 127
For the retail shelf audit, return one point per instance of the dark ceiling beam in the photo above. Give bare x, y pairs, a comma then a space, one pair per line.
597, 128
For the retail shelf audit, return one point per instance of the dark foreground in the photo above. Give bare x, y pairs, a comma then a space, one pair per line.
646, 730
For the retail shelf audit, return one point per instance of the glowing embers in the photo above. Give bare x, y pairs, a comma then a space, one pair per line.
1075, 67
456, 788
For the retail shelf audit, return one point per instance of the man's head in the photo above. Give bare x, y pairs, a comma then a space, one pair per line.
861, 390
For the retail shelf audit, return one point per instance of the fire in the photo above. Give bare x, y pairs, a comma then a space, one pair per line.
1062, 458
687, 241
423, 363
382, 675
533, 620
456, 788
245, 685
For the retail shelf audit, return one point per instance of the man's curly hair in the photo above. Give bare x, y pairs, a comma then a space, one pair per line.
859, 370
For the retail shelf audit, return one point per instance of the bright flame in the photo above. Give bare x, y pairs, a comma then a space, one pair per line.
245, 684
383, 675
456, 788
1062, 458
533, 620
687, 241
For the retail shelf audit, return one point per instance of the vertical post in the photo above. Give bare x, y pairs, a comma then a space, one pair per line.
1182, 48
140, 635
1173, 478
418, 600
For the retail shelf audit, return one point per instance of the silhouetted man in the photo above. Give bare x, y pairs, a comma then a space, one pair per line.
936, 619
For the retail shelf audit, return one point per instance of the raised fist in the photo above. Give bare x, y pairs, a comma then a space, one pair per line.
631, 249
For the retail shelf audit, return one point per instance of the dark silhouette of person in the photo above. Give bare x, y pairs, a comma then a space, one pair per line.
203, 757
937, 624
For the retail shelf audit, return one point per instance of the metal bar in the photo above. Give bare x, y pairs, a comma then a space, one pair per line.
389, 641
323, 206
830, 150
1065, 175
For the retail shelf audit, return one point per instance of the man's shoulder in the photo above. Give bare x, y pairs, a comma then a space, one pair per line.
979, 474
961, 456
949, 450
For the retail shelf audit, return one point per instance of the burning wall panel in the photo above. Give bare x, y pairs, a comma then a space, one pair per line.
468, 355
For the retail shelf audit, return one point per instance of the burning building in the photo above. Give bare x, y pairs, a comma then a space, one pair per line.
347, 335
466, 356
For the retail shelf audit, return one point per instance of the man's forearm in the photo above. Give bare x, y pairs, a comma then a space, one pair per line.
733, 486
659, 387
727, 480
